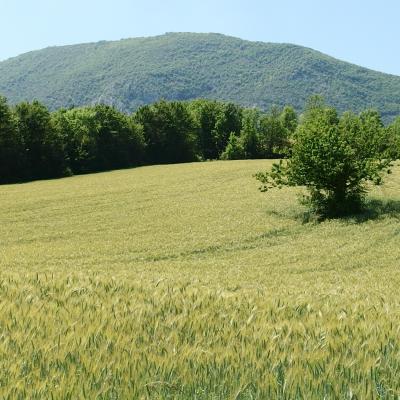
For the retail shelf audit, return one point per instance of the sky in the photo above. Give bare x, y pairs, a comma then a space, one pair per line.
364, 32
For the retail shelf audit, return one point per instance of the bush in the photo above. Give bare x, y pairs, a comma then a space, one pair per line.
234, 149
334, 159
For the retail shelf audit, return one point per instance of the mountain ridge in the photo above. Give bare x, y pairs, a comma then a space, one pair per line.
181, 66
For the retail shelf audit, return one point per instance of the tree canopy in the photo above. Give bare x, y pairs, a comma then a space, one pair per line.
37, 144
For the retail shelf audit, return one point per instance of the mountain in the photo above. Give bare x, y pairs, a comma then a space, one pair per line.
180, 66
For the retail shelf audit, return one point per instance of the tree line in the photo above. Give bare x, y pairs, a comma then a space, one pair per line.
38, 144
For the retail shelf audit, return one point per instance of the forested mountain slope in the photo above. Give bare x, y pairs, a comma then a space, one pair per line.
178, 66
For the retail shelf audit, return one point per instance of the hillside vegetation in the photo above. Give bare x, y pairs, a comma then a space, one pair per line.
184, 281
181, 66
38, 144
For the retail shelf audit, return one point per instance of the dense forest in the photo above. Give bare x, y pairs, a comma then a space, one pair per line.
38, 144
184, 66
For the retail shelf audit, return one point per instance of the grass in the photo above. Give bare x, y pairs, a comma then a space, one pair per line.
185, 282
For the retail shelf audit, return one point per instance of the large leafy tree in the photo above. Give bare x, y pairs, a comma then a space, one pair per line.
249, 134
274, 135
263, 135
205, 114
12, 160
119, 141
215, 121
334, 158
42, 144
289, 120
169, 132
99, 138
78, 128
229, 120
394, 133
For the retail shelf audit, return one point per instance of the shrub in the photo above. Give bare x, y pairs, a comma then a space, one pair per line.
234, 149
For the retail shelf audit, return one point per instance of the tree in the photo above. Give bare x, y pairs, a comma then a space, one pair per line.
78, 127
273, 134
12, 161
249, 134
289, 120
205, 114
229, 119
215, 121
234, 149
169, 132
42, 145
394, 133
119, 141
99, 138
334, 159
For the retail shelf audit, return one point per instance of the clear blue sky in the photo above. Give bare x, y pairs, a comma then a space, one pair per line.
365, 32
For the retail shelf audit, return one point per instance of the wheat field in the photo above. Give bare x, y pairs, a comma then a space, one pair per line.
186, 282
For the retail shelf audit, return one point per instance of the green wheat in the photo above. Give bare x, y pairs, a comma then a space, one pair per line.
185, 282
